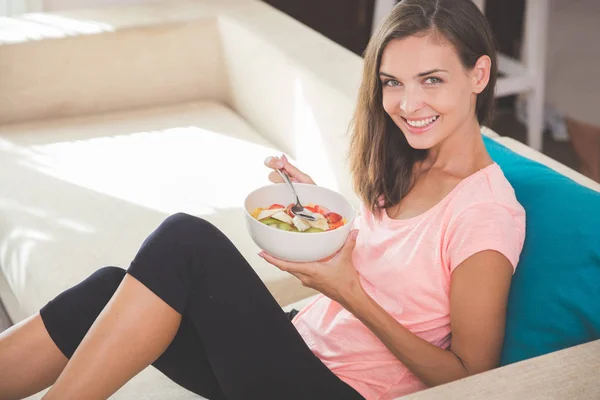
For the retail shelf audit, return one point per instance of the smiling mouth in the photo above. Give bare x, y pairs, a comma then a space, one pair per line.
421, 123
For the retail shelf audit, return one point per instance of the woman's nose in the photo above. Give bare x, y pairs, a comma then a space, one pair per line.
411, 101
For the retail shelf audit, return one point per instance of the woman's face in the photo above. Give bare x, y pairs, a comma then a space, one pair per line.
426, 90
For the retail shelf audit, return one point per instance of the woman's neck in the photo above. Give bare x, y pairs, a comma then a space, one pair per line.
461, 153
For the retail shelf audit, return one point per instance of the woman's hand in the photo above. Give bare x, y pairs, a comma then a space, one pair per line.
294, 173
335, 276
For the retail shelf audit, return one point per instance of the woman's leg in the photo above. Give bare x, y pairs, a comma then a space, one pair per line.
34, 352
30, 361
132, 331
252, 349
69, 317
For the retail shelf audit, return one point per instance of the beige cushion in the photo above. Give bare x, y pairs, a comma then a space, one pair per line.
567, 374
489, 132
97, 186
93, 63
288, 82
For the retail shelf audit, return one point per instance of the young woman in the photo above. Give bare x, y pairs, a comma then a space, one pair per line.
416, 299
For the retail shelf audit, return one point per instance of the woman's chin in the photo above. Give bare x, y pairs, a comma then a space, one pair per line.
421, 139
420, 143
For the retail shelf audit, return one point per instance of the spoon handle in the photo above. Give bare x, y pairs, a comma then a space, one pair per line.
286, 178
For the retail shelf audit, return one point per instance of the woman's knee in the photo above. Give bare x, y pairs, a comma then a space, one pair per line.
107, 279
186, 225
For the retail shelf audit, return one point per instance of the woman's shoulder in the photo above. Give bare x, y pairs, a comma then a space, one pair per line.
488, 188
485, 214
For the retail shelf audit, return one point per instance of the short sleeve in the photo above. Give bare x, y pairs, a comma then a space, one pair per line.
487, 226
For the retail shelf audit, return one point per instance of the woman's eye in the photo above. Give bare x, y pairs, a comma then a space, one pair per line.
432, 80
391, 83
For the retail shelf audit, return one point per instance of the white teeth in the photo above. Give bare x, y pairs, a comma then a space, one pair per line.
422, 123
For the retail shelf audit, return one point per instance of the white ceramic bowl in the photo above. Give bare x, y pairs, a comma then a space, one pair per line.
298, 246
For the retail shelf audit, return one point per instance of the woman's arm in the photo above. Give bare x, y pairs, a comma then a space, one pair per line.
478, 297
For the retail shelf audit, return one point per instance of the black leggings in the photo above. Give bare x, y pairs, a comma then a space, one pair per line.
234, 341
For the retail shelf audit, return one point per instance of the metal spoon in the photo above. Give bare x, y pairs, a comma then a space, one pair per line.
297, 209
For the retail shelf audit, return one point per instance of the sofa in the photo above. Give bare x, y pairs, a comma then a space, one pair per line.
112, 119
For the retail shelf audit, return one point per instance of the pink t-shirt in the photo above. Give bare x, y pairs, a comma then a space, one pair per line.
406, 266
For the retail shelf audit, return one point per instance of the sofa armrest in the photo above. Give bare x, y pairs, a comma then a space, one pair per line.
295, 86
567, 374
83, 62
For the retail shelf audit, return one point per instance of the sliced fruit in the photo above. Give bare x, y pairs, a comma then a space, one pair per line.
320, 216
283, 217
300, 224
320, 223
314, 230
268, 213
332, 217
288, 211
270, 221
311, 208
321, 210
336, 225
285, 227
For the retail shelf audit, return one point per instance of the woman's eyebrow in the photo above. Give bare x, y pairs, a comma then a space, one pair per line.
433, 71
419, 75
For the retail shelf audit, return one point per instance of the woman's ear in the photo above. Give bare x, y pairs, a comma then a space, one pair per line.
480, 74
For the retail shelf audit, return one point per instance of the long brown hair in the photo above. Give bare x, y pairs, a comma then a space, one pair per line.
381, 160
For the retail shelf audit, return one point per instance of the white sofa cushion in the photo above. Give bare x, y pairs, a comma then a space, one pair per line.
289, 82
83, 193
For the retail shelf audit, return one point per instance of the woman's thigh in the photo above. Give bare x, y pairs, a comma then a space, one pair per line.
250, 344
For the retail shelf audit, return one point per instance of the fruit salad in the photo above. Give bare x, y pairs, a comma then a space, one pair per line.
281, 217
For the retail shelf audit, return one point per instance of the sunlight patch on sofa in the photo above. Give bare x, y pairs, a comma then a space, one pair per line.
38, 26
15, 250
308, 137
10, 206
183, 168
